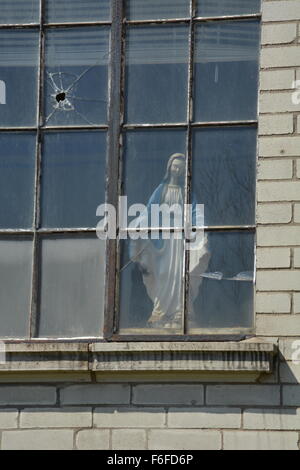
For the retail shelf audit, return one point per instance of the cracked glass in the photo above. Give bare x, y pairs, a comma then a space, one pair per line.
19, 11
76, 76
19, 56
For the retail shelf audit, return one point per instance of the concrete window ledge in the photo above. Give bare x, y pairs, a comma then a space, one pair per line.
255, 355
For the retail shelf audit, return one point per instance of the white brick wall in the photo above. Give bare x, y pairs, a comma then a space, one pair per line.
260, 440
269, 302
279, 213
273, 257
193, 439
279, 33
274, 169
276, 80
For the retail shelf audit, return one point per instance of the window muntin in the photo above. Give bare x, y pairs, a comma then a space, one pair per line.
115, 90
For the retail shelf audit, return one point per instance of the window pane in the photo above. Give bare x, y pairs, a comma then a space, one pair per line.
223, 169
156, 9
19, 11
19, 52
62, 11
227, 7
145, 165
73, 178
72, 287
222, 295
15, 282
226, 71
17, 175
157, 72
151, 294
76, 76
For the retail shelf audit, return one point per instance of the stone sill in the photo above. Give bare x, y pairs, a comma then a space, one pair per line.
254, 355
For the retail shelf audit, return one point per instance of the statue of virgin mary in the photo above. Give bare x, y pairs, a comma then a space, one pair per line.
161, 261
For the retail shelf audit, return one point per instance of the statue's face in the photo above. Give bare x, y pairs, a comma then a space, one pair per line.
177, 168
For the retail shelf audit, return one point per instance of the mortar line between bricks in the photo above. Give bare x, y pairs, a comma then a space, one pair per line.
283, 22
110, 439
74, 439
274, 45
278, 67
278, 45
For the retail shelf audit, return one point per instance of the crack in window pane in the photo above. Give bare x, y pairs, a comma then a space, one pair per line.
63, 95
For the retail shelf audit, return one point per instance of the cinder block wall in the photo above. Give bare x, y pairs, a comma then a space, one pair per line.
229, 413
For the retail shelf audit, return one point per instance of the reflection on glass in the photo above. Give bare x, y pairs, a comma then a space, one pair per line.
76, 76
157, 9
19, 11
17, 172
160, 261
19, 52
156, 73
145, 160
226, 71
72, 287
152, 285
225, 296
227, 7
62, 11
15, 282
73, 178
152, 266
223, 169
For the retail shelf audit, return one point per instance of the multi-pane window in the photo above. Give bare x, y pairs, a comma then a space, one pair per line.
155, 100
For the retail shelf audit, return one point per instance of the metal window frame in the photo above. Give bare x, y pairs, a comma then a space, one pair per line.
116, 127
